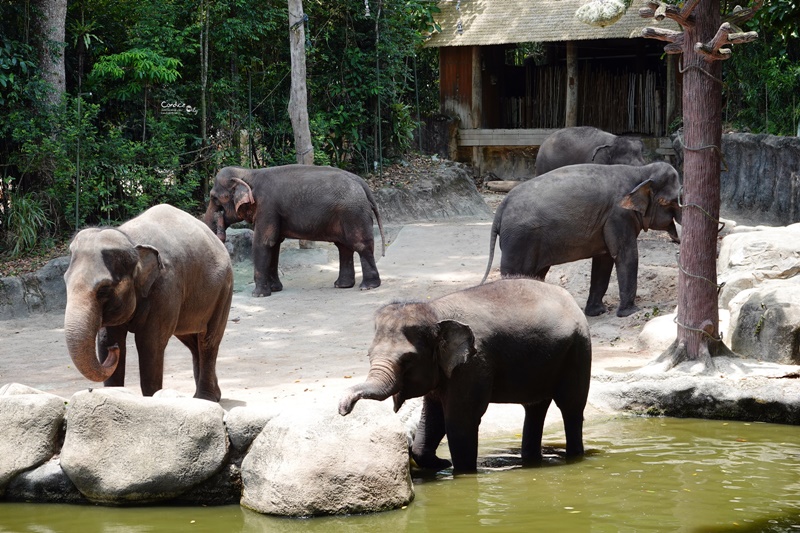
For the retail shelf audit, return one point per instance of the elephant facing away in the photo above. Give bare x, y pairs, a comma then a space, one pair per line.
301, 202
585, 144
586, 211
160, 274
511, 341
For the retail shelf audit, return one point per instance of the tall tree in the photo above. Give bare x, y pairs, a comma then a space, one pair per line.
51, 29
701, 46
298, 99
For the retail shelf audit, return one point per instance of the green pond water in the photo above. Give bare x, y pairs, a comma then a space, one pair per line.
640, 474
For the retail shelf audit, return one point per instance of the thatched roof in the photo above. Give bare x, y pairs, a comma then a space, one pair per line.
486, 22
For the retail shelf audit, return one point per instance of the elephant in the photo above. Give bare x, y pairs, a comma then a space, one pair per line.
160, 274
510, 341
586, 211
313, 203
585, 144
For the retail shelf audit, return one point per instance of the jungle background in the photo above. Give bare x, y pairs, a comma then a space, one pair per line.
159, 95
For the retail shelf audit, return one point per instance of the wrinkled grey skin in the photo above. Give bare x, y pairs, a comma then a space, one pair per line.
298, 202
585, 144
160, 274
584, 211
512, 341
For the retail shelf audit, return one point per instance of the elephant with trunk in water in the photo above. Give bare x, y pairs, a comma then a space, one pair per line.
298, 202
160, 274
512, 341
585, 144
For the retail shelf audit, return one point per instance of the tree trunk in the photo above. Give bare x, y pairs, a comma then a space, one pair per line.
571, 118
204, 25
698, 304
298, 101
50, 25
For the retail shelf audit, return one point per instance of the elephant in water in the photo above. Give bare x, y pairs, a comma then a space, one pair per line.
584, 211
585, 144
160, 274
300, 202
512, 341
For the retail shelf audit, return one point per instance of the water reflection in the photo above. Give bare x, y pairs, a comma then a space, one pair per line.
638, 475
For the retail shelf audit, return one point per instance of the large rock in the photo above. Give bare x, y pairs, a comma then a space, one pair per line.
750, 258
47, 483
765, 323
122, 448
38, 292
449, 192
312, 461
29, 424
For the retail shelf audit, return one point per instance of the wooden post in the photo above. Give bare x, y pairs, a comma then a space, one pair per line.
672, 93
571, 118
476, 110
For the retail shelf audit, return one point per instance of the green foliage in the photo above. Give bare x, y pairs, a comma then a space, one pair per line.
131, 131
26, 222
762, 79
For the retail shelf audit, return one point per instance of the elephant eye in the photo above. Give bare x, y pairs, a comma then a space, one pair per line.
104, 292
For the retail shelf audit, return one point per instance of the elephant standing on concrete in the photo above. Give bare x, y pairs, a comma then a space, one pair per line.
512, 341
160, 274
584, 211
585, 144
300, 202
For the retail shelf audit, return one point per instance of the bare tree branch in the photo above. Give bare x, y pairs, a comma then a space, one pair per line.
725, 35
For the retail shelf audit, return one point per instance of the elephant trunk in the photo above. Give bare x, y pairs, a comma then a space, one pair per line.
81, 325
214, 218
381, 383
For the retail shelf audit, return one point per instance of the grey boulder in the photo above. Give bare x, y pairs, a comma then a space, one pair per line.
29, 424
312, 461
121, 448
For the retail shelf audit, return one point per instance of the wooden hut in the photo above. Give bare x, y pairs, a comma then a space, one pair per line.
512, 71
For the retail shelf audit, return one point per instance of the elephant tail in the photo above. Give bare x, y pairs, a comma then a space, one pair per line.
374, 207
492, 241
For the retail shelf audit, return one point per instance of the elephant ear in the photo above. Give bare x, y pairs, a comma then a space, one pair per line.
456, 345
640, 200
598, 150
243, 200
148, 269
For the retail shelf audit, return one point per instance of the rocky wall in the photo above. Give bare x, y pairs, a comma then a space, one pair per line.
760, 176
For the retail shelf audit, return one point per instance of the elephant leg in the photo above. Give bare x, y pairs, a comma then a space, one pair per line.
602, 265
429, 434
204, 362
532, 432
109, 336
541, 273
265, 266
151, 360
370, 279
462, 423
627, 264
275, 284
347, 269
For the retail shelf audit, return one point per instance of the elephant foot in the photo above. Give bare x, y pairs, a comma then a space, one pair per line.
595, 309
275, 286
431, 462
370, 284
627, 310
211, 396
258, 292
344, 284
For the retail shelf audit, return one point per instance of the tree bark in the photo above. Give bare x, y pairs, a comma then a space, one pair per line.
571, 118
50, 20
298, 100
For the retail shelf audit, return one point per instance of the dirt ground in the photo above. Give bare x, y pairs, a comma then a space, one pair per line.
309, 342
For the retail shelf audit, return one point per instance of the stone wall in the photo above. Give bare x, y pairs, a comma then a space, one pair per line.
760, 176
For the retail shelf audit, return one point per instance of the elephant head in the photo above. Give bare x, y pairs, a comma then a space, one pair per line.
106, 277
657, 199
410, 355
230, 200
620, 151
